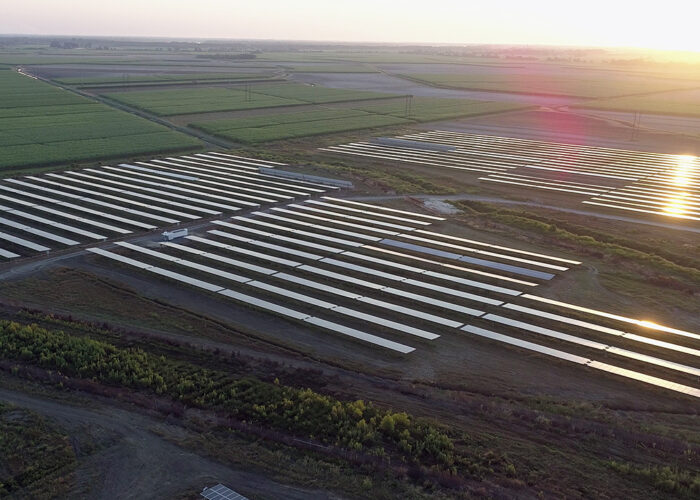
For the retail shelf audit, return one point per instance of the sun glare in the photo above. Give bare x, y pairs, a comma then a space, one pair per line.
683, 169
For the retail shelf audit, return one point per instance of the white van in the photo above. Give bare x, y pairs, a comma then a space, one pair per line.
171, 235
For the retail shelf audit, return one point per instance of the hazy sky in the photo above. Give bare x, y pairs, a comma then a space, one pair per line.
668, 24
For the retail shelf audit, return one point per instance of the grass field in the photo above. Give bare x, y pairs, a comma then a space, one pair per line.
293, 125
425, 109
683, 103
378, 113
43, 125
202, 100
332, 68
315, 94
550, 84
160, 78
34, 453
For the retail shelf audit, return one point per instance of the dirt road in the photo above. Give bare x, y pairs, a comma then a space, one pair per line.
136, 462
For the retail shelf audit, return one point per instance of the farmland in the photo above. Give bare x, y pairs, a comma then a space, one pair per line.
503, 305
293, 125
177, 102
160, 78
182, 101
369, 114
680, 103
589, 87
424, 109
42, 125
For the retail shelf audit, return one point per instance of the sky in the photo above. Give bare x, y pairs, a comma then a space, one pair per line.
671, 24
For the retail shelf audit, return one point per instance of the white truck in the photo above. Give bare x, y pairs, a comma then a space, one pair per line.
171, 235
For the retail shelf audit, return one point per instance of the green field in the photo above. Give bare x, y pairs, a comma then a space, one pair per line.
378, 113
425, 109
315, 94
160, 78
683, 103
202, 100
550, 84
332, 68
294, 125
43, 125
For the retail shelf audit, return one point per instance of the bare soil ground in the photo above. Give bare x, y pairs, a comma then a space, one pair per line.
134, 456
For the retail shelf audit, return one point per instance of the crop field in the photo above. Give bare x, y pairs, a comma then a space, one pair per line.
590, 87
423, 109
42, 125
332, 68
185, 101
159, 78
315, 94
680, 103
200, 100
293, 125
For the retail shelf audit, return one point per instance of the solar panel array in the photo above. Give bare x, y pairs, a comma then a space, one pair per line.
59, 210
405, 290
221, 492
635, 182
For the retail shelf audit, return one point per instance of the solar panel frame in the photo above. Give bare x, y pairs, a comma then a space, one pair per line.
38, 232
23, 243
394, 325
367, 337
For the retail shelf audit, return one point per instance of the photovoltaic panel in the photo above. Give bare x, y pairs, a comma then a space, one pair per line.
258, 232
435, 302
72, 216
471, 260
221, 492
411, 312
366, 207
91, 201
526, 345
666, 384
221, 258
498, 247
352, 234
646, 324
38, 232
333, 221
370, 318
484, 252
7, 254
479, 272
160, 172
318, 286
131, 193
318, 236
265, 244
245, 251
351, 332
264, 304
160, 192
23, 243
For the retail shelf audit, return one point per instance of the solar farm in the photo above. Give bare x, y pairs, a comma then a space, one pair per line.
57, 211
619, 181
263, 269
352, 271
